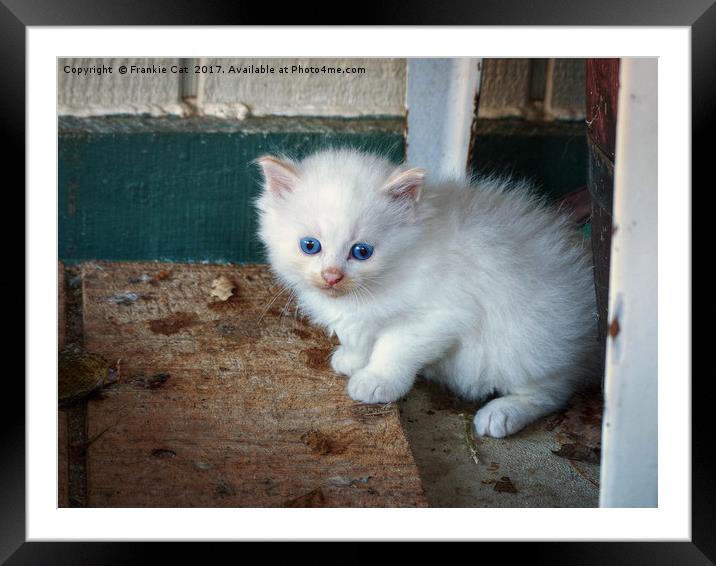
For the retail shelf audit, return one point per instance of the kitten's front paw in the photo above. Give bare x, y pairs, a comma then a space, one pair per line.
345, 361
369, 387
502, 417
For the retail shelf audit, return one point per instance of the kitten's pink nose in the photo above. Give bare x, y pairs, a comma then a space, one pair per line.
332, 275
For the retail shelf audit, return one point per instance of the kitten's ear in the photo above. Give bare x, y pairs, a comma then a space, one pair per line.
406, 184
280, 177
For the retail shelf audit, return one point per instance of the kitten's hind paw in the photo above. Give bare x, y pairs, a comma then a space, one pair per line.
345, 361
505, 415
368, 387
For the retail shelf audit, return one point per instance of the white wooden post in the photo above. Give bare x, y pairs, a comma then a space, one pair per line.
629, 436
441, 106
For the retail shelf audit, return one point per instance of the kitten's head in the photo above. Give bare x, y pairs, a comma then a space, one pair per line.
337, 222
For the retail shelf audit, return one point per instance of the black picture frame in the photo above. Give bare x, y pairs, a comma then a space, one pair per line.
699, 15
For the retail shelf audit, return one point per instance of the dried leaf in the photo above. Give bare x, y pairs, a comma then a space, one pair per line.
578, 452
505, 485
222, 288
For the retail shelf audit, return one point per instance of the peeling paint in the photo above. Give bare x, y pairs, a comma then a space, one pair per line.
614, 328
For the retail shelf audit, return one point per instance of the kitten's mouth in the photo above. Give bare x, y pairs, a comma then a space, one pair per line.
337, 290
333, 291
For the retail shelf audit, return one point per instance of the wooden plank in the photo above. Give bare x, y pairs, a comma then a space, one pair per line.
62, 463
61, 324
72, 421
227, 403
630, 474
602, 101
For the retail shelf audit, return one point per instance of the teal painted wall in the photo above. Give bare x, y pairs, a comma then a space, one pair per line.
143, 188
551, 154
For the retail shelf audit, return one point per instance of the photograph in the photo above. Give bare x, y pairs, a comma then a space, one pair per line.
354, 282
357, 283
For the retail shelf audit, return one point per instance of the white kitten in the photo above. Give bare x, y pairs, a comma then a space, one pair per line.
477, 287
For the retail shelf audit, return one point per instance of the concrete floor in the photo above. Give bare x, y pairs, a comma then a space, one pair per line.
519, 471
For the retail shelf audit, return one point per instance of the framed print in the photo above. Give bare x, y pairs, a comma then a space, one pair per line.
198, 396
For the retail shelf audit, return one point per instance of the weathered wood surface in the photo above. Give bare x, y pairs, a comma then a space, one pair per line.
62, 463
227, 404
61, 324
602, 110
602, 99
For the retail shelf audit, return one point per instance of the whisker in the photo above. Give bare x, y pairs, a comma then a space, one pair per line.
284, 310
273, 300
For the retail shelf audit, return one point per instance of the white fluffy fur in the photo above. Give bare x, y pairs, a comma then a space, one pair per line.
478, 287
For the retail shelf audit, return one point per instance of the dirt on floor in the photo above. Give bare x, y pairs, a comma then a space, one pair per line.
552, 463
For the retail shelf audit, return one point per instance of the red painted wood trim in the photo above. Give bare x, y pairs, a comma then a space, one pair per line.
602, 97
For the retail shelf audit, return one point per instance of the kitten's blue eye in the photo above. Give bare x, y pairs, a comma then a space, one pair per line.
362, 251
310, 246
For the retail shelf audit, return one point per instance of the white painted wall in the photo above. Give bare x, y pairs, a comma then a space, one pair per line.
505, 90
113, 93
629, 434
378, 91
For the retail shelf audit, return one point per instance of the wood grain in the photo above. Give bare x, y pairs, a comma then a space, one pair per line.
63, 495
62, 463
602, 99
227, 404
61, 323
602, 111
